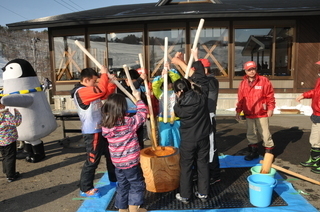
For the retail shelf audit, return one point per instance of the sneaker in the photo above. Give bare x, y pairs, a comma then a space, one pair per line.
182, 199
91, 193
310, 163
202, 197
15, 177
316, 170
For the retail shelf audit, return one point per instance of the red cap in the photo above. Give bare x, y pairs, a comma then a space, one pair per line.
205, 62
318, 62
248, 65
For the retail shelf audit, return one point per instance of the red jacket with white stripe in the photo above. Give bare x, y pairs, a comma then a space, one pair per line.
315, 95
255, 98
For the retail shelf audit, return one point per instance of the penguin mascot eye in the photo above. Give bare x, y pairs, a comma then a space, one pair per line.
18, 68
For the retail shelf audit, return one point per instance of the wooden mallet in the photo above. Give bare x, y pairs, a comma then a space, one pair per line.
267, 162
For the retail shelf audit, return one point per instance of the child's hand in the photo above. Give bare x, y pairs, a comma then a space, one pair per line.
112, 78
299, 98
164, 71
179, 55
143, 76
175, 60
136, 94
103, 70
167, 65
179, 61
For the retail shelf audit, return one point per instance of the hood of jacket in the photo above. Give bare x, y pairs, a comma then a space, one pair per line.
76, 86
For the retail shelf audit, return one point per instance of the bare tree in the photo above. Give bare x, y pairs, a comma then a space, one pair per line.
29, 45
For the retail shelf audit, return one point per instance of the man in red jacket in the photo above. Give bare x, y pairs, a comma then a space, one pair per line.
256, 100
314, 94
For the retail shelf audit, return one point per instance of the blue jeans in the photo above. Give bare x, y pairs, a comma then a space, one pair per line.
130, 187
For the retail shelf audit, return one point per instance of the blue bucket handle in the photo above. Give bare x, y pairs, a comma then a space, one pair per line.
274, 184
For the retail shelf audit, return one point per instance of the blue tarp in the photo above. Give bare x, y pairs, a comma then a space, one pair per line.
296, 202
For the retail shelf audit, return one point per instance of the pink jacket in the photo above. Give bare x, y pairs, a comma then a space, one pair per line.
123, 140
255, 99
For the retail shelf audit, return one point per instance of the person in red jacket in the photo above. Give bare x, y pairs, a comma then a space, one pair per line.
314, 94
256, 100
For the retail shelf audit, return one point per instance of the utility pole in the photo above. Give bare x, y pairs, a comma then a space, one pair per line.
34, 50
33, 46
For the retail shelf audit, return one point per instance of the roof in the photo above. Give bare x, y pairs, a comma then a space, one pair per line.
164, 11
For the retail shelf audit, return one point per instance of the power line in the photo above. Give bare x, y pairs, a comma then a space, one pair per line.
14, 12
64, 5
77, 5
69, 5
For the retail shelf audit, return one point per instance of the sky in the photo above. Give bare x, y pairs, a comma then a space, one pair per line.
12, 11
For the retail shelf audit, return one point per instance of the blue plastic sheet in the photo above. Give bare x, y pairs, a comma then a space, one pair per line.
296, 202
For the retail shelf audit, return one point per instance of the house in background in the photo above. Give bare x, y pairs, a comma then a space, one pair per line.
283, 38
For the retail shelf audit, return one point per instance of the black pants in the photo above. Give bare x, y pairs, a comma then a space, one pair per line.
9, 159
96, 146
190, 153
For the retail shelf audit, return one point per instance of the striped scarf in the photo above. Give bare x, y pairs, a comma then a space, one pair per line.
36, 89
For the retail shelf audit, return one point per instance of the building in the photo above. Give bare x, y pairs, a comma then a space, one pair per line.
283, 38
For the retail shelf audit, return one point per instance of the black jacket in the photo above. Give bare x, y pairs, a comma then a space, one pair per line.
192, 109
213, 93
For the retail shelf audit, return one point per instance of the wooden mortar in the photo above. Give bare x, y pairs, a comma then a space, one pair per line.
161, 168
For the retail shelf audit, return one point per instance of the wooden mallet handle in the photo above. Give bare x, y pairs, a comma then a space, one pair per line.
133, 89
152, 120
195, 42
293, 173
99, 66
165, 82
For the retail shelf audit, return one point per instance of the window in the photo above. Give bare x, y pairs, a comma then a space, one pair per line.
283, 51
124, 49
97, 48
213, 45
176, 43
264, 45
69, 59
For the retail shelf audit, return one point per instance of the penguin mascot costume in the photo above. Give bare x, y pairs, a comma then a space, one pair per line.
22, 89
